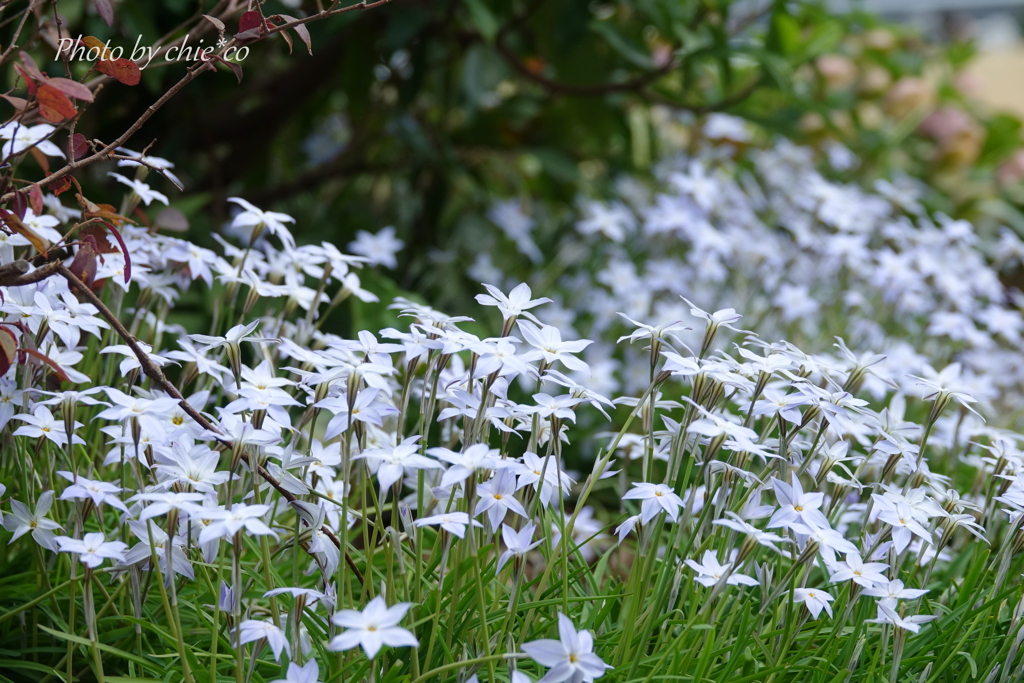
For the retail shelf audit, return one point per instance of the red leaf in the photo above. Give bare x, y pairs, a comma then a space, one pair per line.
106, 11
35, 199
54, 106
29, 83
79, 145
124, 70
250, 20
71, 88
8, 349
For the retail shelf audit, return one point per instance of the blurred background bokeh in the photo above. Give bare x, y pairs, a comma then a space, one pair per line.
993, 26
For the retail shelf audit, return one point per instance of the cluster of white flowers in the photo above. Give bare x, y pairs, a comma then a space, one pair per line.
789, 473
808, 258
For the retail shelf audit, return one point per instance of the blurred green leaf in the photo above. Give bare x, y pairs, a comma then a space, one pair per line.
483, 19
824, 38
783, 34
631, 50
960, 53
1002, 139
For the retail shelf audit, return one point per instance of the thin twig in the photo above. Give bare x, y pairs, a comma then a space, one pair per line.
17, 33
724, 103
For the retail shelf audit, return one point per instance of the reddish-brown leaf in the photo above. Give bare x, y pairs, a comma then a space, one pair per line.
84, 263
97, 236
217, 23
61, 186
79, 145
15, 224
80, 91
124, 70
250, 20
8, 350
105, 10
124, 252
301, 30
287, 39
246, 37
86, 204
235, 68
29, 82
31, 67
102, 211
35, 199
99, 233
54, 106
47, 361
19, 205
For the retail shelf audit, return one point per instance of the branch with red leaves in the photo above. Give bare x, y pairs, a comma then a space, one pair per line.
251, 29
